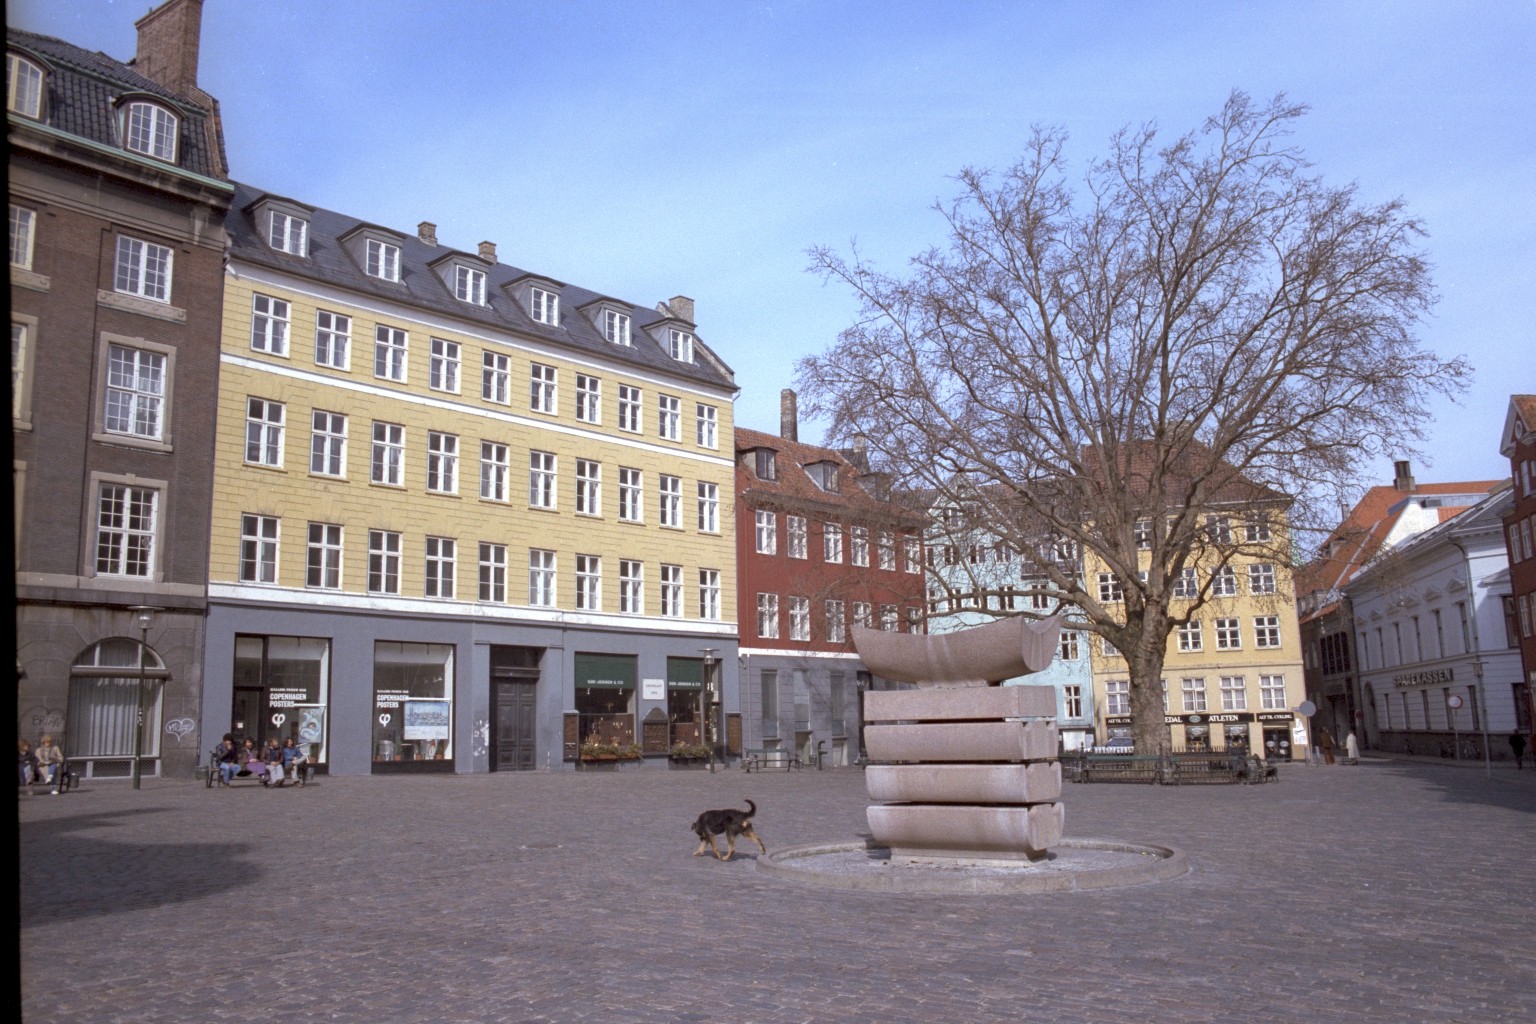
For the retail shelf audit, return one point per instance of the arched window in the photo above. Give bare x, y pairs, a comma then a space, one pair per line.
23, 87
150, 129
104, 693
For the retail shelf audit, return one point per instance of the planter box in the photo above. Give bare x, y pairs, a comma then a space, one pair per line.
687, 763
605, 764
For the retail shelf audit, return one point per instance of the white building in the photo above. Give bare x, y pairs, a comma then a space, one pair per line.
1437, 640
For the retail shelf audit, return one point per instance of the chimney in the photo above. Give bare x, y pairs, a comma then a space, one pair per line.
1404, 479
789, 416
682, 308
169, 37
488, 251
427, 232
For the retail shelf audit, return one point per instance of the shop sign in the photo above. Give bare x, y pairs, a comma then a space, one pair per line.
390, 698
1117, 719
606, 671
653, 689
1273, 716
685, 673
1429, 677
287, 697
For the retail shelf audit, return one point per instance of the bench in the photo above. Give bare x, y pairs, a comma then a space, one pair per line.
1116, 768
298, 774
764, 759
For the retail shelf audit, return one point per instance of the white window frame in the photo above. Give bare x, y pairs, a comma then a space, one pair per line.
469, 285
441, 567
443, 365
1224, 582
1229, 634
1111, 590
493, 573
796, 532
863, 614
259, 539
767, 531
127, 535
631, 408
1266, 632
381, 259
496, 378
387, 464
383, 562
631, 586
327, 443
1261, 578
137, 385
23, 236
671, 585
668, 417
264, 429
24, 90
333, 339
543, 388
1193, 692
885, 550
150, 129
287, 233
1191, 636
144, 269
669, 501
912, 554
541, 578
544, 306
768, 616
680, 345
589, 399
1187, 583
543, 480
1272, 693
837, 621
707, 425
709, 507
270, 323
495, 471
616, 327
589, 583
832, 543
1234, 693
799, 618
391, 353
710, 607
589, 487
323, 556
631, 495
442, 462
858, 546
1117, 697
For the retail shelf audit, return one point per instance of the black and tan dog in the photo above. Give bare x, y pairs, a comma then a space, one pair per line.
728, 822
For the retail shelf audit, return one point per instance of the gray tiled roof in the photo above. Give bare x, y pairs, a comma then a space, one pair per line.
81, 87
421, 287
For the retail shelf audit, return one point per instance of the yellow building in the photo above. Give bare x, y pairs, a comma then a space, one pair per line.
1232, 676
465, 517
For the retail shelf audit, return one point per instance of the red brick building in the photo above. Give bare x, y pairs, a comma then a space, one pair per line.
820, 545
1518, 444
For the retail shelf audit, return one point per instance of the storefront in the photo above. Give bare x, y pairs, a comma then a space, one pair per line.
1272, 732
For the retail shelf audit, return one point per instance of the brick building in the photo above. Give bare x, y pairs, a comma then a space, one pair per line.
118, 188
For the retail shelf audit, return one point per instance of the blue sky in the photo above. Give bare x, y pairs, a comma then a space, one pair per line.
647, 150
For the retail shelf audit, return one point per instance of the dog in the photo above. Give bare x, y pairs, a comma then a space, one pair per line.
728, 822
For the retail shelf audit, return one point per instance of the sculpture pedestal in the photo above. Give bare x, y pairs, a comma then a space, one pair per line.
974, 774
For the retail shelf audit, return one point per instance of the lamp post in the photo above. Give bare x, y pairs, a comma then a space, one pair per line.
1482, 698
706, 704
143, 617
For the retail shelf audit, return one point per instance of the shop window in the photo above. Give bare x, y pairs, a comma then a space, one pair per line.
105, 688
281, 691
605, 698
412, 703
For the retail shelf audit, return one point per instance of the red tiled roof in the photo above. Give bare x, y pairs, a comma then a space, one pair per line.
795, 486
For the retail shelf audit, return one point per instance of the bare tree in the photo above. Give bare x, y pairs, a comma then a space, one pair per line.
1205, 328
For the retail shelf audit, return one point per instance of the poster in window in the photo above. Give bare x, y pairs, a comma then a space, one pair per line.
311, 725
426, 720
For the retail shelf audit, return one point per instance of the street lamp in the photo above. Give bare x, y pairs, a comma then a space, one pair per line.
1482, 698
706, 704
143, 617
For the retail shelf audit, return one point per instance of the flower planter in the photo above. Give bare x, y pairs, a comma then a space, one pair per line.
687, 763
602, 763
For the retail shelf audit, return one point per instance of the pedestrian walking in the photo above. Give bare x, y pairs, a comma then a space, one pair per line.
1351, 749
1517, 745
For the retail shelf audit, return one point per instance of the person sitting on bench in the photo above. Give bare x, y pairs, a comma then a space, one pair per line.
253, 764
227, 755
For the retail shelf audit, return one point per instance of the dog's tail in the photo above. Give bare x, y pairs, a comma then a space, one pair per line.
752, 805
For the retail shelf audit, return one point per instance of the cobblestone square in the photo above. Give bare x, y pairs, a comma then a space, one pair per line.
1394, 892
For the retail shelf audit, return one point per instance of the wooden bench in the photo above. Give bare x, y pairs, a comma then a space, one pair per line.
763, 759
297, 774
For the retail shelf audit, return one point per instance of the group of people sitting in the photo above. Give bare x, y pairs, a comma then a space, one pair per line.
43, 765
272, 765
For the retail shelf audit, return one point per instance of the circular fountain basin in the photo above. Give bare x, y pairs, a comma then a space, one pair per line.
1071, 865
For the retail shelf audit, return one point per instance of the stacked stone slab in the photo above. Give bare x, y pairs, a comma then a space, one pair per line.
969, 770
973, 772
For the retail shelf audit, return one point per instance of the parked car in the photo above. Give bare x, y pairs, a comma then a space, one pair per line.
1116, 745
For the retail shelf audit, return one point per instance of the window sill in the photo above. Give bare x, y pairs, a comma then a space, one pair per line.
142, 306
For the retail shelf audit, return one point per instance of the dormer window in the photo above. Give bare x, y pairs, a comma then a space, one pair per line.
150, 129
824, 475
383, 260
287, 233
544, 306
469, 285
680, 345
23, 87
616, 327
766, 464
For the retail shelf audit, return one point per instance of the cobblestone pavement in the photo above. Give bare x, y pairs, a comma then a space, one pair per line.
1393, 892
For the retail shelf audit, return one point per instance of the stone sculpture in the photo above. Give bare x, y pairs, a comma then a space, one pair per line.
969, 769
